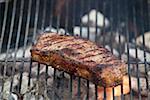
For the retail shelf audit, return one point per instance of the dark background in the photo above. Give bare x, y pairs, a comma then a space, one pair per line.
67, 13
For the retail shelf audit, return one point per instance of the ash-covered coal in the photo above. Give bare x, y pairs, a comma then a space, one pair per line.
43, 86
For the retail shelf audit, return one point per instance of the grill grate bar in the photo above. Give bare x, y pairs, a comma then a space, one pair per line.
87, 89
82, 6
113, 92
58, 22
44, 15
51, 15
96, 92
119, 31
74, 14
46, 78
10, 35
136, 54
38, 72
105, 95
17, 42
34, 35
88, 31
4, 25
143, 38
70, 86
119, 28
26, 37
62, 76
26, 34
138, 80
1, 13
103, 27
46, 74
54, 81
9, 41
79, 85
122, 96
96, 26
148, 12
128, 58
66, 18
36, 20
30, 70
111, 25
79, 79
146, 61
20, 78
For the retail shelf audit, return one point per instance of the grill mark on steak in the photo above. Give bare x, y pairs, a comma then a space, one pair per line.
77, 46
89, 55
58, 43
52, 37
56, 39
47, 38
99, 67
44, 36
95, 49
64, 40
70, 52
65, 43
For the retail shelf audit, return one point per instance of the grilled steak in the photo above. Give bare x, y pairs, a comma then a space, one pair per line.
79, 57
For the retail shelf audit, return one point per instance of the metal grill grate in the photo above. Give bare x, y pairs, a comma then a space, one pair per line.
22, 20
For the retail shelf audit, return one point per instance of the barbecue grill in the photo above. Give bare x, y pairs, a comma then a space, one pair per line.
21, 21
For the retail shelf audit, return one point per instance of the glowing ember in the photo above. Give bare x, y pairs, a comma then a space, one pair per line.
117, 90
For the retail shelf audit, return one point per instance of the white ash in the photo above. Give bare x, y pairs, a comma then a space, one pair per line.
115, 52
34, 69
143, 88
48, 29
140, 53
122, 38
133, 67
92, 19
19, 53
3, 56
39, 87
7, 83
13, 96
93, 35
54, 30
141, 68
99, 38
134, 84
60, 88
139, 40
84, 30
114, 40
24, 85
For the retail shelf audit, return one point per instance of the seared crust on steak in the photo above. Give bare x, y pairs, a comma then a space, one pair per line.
79, 57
